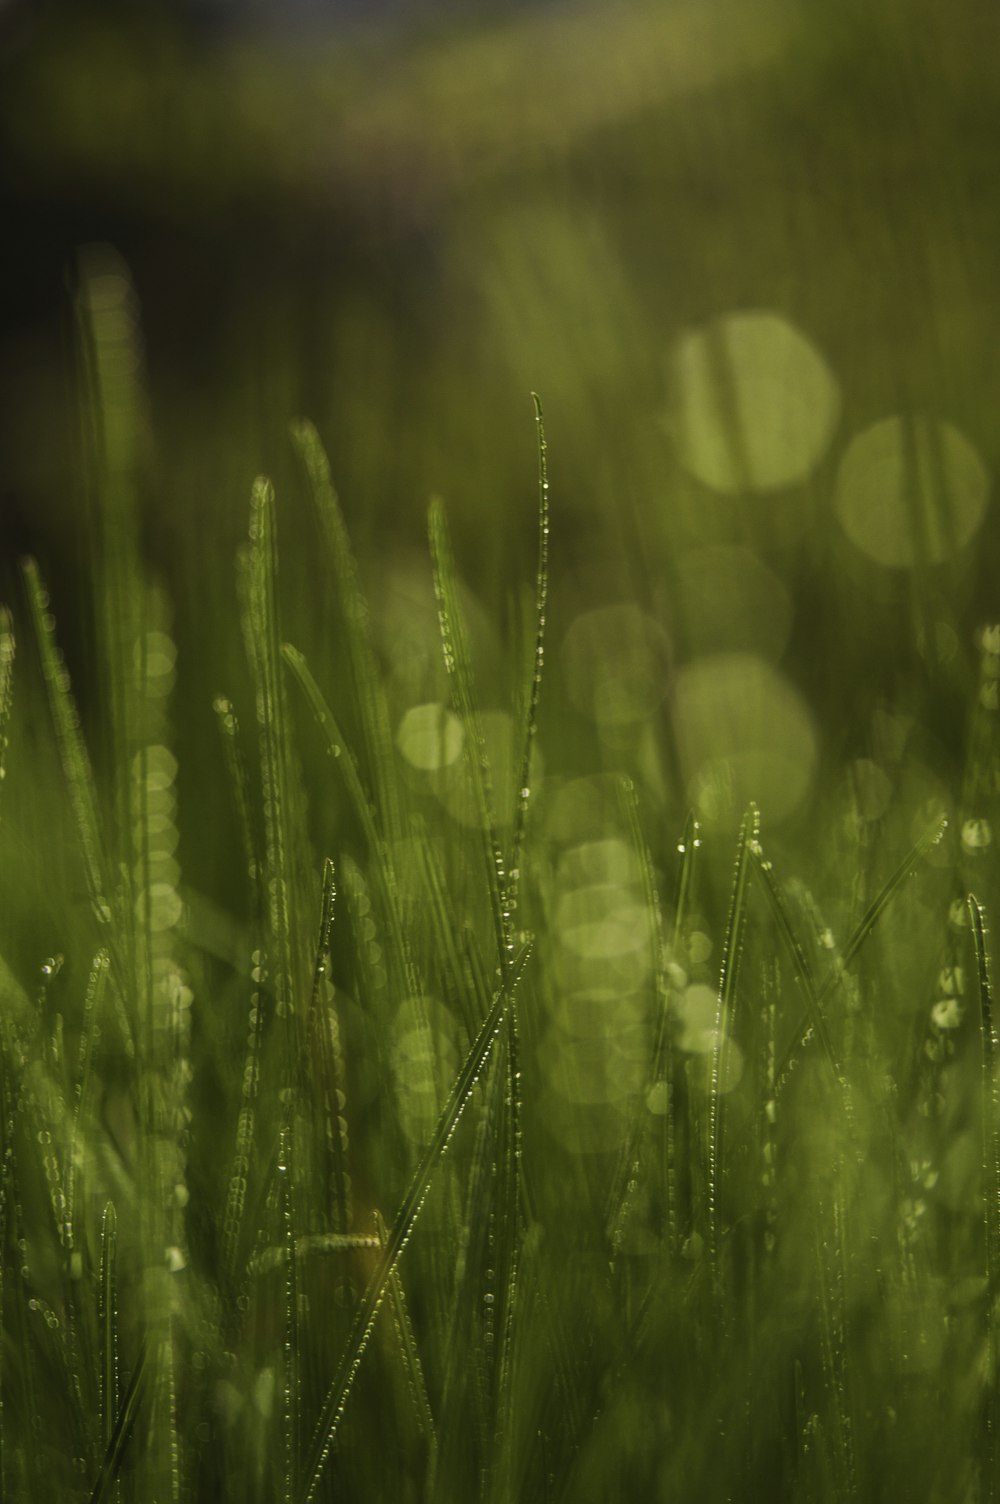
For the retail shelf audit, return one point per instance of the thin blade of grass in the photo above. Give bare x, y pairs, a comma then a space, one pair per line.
325, 1071
370, 701
728, 973
104, 1490
116, 423
800, 962
410, 1352
261, 627
991, 1180
378, 847
107, 1324
236, 1195
627, 1179
529, 728
506, 1266
871, 917
291, 1353
458, 663
89, 1036
7, 651
72, 751
402, 1228
229, 729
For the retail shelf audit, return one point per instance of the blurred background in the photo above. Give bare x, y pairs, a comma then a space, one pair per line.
747, 255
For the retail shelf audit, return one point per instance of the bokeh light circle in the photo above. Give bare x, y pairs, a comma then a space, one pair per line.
754, 404
911, 490
744, 733
430, 737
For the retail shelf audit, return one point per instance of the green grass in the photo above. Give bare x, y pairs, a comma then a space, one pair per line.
316, 1189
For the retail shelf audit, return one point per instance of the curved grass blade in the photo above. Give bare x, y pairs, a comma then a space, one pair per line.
931, 836
535, 685
991, 1177
369, 694
72, 751
803, 970
402, 1228
728, 974
363, 808
337, 745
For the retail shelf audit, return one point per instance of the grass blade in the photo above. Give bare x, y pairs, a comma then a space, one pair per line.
523, 796
364, 809
931, 836
728, 974
800, 962
402, 1228
72, 751
406, 1337
458, 663
104, 1490
107, 1324
7, 648
261, 626
369, 694
991, 1179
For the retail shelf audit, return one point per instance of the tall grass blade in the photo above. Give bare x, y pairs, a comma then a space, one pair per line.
107, 1325
871, 917
122, 1432
530, 723
236, 1196
402, 1228
110, 344
229, 729
363, 807
292, 1395
728, 974
407, 1339
991, 1182
458, 663
324, 1071
72, 751
78, 1153
261, 626
800, 962
7, 649
506, 1273
627, 1180
370, 701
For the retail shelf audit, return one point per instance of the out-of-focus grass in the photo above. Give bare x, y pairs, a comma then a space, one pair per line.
676, 1241
335, 1169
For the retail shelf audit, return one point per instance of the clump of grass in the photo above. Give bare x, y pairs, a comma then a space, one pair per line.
294, 1217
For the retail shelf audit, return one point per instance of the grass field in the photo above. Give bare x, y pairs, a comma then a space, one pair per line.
495, 995
492, 1131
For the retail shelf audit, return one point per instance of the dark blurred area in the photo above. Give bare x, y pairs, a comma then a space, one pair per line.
400, 219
